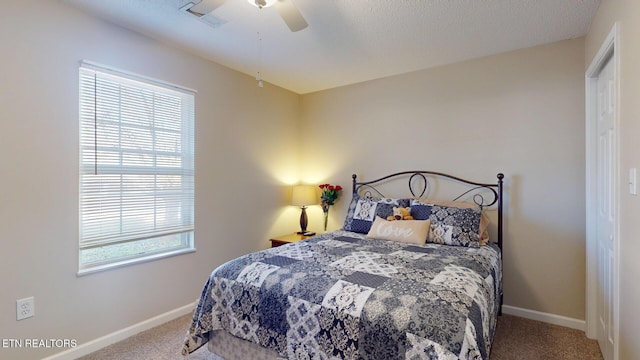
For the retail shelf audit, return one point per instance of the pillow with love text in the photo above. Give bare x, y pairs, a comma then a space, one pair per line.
406, 231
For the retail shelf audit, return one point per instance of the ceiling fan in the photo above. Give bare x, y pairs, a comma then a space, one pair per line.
286, 8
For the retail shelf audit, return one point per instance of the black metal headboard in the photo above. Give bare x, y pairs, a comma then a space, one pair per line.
474, 189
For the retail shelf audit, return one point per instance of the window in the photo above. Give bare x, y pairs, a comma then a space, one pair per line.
136, 169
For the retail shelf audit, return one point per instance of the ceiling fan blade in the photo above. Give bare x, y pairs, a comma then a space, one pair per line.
291, 15
206, 6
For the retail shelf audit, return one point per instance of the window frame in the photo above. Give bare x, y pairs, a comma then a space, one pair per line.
182, 169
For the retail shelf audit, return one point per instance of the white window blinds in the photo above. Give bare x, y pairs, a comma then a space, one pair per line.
136, 161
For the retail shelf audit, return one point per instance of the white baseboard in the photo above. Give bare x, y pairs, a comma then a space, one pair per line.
545, 317
99, 343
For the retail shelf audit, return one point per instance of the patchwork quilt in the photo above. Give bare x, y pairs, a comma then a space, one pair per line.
341, 295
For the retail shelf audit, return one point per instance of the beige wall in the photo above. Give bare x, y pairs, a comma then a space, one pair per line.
627, 14
521, 113
245, 155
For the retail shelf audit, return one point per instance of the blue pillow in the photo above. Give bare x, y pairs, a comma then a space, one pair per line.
363, 211
420, 210
449, 225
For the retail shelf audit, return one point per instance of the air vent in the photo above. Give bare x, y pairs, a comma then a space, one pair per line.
208, 19
211, 20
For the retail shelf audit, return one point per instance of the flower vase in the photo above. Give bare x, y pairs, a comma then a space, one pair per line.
325, 211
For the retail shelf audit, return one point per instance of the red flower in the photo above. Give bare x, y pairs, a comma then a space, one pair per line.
329, 195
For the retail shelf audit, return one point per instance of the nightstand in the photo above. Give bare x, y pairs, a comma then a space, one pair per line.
287, 238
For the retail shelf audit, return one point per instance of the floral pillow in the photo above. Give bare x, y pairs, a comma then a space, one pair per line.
363, 211
484, 218
449, 225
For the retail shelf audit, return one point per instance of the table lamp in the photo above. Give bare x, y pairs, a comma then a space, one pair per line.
303, 196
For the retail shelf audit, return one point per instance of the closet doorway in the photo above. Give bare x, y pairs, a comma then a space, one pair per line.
602, 197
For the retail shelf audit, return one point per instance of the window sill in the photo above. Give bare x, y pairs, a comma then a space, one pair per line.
90, 269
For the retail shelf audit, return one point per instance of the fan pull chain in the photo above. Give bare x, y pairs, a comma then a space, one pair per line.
258, 76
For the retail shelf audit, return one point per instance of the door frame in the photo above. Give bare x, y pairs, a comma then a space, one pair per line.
609, 50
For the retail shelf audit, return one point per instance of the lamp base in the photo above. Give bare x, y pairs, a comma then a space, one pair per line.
306, 233
303, 220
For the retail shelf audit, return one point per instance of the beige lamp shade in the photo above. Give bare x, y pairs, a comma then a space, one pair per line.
304, 195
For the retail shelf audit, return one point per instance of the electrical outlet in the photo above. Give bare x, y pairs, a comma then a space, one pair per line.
25, 308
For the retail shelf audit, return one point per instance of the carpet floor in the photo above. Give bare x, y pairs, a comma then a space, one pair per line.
515, 339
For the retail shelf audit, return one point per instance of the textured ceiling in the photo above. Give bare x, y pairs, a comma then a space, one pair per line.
350, 41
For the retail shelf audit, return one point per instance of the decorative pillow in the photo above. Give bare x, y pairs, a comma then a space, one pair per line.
406, 231
363, 211
449, 225
484, 219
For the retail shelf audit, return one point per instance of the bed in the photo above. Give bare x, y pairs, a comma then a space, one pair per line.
376, 289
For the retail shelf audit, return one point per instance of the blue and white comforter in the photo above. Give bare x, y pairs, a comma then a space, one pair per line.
340, 295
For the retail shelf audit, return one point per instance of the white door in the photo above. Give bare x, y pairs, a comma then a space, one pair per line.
606, 141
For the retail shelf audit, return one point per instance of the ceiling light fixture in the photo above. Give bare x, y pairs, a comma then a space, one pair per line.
262, 3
